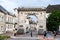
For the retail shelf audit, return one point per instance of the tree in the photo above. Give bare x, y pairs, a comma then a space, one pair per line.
53, 21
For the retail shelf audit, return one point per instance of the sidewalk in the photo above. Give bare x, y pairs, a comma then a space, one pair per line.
27, 36
8, 34
45, 38
40, 37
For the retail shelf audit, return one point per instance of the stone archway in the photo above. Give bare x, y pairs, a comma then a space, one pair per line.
33, 16
38, 12
34, 20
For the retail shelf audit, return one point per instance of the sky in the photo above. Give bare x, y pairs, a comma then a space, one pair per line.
33, 17
11, 4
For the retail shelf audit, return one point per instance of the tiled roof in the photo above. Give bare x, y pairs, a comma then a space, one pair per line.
50, 8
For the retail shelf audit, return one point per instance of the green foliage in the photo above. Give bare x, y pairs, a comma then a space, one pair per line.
3, 37
53, 21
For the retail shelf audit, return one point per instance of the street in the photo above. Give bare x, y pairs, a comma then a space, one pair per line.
27, 36
24, 38
57, 37
34, 34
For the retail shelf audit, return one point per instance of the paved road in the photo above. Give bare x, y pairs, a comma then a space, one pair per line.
28, 37
57, 37
22, 39
34, 34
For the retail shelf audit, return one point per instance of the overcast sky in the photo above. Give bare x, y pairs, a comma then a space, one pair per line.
11, 4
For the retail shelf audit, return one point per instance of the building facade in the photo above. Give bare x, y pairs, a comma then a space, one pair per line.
40, 13
7, 21
2, 22
3, 12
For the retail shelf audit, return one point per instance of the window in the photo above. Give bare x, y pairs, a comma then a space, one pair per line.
21, 25
14, 25
8, 26
1, 27
1, 18
26, 27
41, 26
40, 13
8, 19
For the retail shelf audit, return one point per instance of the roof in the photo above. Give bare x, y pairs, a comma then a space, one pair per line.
13, 15
31, 9
3, 10
50, 8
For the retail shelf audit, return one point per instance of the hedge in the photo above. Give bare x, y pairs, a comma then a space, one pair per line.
4, 37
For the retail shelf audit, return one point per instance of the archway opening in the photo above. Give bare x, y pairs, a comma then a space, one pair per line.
33, 18
32, 21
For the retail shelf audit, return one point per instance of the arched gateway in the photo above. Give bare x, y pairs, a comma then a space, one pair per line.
23, 21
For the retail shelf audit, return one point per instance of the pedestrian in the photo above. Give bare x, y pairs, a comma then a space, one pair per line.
55, 33
31, 33
14, 34
45, 34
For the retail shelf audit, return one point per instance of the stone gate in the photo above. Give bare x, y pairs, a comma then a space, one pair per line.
40, 13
